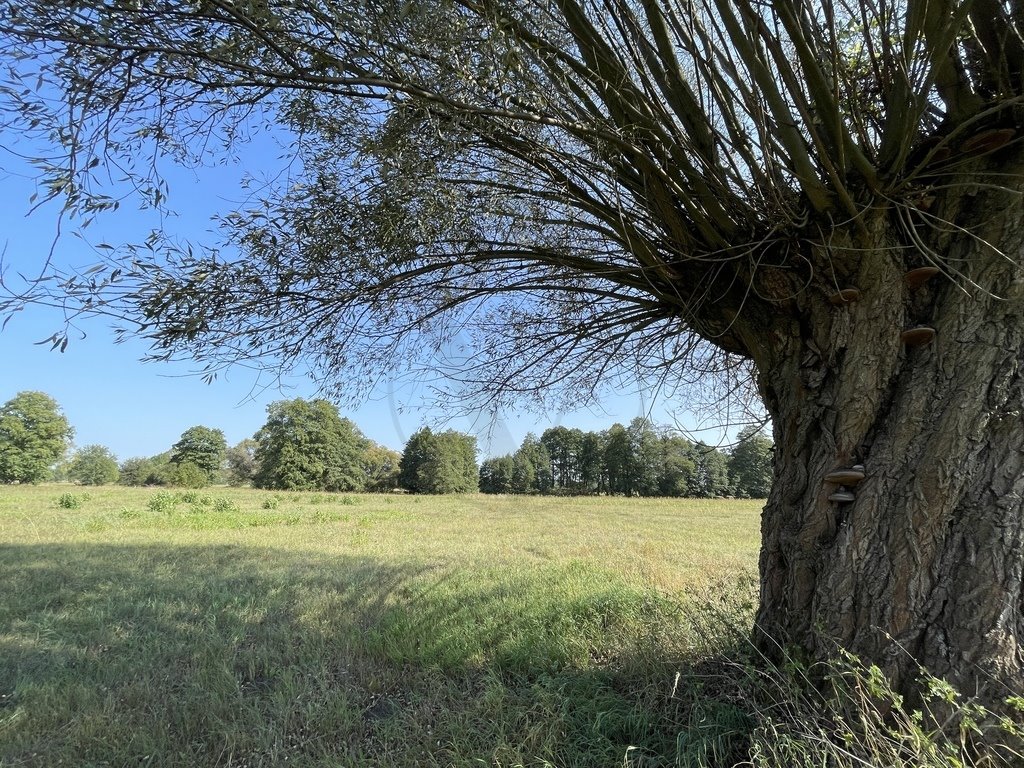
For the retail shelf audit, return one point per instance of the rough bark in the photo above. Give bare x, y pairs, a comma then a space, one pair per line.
925, 566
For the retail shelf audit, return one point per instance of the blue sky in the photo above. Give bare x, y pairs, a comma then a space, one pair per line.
138, 409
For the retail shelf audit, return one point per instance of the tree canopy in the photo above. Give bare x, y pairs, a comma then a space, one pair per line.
34, 434
93, 465
750, 464
638, 460
307, 445
443, 462
203, 448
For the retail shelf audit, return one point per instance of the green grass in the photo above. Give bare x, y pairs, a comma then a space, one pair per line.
233, 627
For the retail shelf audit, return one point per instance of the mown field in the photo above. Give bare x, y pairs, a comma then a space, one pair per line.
234, 627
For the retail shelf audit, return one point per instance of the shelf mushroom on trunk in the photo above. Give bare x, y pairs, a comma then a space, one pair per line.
843, 478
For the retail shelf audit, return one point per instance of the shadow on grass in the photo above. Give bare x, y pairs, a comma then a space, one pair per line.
224, 655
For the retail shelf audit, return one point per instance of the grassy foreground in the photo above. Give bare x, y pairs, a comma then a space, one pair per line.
242, 628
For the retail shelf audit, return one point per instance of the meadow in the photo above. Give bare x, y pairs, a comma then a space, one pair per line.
233, 627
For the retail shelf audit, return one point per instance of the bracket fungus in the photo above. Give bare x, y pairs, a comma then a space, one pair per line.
918, 336
915, 278
849, 476
842, 496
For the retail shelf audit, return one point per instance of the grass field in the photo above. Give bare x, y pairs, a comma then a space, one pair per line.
242, 628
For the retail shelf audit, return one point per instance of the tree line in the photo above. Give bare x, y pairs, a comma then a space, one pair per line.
307, 445
304, 445
635, 460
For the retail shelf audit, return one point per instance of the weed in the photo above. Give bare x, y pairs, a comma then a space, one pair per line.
221, 504
71, 501
163, 501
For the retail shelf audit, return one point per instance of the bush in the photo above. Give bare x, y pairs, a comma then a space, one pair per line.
71, 501
189, 475
224, 505
163, 501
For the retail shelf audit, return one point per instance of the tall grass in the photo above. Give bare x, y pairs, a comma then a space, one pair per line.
229, 627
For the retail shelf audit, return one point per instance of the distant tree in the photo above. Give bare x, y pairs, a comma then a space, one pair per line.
415, 455
452, 467
531, 467
202, 447
133, 471
644, 461
380, 467
678, 465
439, 463
591, 463
306, 445
496, 475
563, 446
618, 459
185, 474
710, 478
34, 435
93, 465
750, 465
155, 470
241, 462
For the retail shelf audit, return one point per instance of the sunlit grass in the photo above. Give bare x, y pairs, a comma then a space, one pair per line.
234, 627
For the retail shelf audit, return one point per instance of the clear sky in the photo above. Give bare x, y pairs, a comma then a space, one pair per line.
138, 409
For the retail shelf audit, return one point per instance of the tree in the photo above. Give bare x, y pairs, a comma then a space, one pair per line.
591, 463
187, 474
563, 446
644, 457
34, 434
439, 463
415, 455
618, 460
710, 478
678, 466
821, 195
750, 464
241, 461
380, 467
203, 449
451, 466
306, 445
93, 465
156, 470
531, 467
496, 475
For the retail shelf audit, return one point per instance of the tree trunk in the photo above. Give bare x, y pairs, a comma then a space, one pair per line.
924, 567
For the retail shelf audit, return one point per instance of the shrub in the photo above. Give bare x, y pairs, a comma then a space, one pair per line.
71, 501
224, 505
189, 475
163, 501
